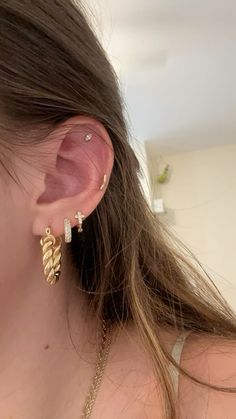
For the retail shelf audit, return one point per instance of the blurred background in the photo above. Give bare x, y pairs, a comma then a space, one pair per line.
176, 62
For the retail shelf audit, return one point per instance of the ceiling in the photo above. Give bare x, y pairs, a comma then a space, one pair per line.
176, 60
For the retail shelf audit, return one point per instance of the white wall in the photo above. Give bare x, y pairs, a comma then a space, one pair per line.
201, 201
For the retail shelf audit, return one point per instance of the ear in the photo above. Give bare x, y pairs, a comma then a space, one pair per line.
81, 153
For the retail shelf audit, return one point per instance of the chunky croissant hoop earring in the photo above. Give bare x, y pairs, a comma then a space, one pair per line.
67, 229
51, 249
79, 216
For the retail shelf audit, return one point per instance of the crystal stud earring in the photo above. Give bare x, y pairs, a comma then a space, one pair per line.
88, 137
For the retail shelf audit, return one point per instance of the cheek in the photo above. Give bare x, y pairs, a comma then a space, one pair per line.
15, 230
6, 212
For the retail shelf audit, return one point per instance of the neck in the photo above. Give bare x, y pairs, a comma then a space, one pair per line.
47, 337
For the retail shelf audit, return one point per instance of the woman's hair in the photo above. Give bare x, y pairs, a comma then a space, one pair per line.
131, 268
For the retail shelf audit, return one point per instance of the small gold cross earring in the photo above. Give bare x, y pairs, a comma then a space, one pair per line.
79, 216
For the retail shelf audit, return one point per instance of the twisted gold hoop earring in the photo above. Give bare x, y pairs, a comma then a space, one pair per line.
51, 250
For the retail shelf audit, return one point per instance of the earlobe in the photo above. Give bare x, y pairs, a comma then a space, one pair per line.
80, 175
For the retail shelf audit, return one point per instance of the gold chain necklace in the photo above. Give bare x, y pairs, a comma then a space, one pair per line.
100, 367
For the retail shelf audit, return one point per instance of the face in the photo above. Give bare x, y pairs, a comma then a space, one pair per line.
17, 243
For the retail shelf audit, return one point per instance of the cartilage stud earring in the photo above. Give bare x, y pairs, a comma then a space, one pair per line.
88, 137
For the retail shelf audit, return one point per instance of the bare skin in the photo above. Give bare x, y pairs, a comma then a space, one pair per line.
42, 375
56, 179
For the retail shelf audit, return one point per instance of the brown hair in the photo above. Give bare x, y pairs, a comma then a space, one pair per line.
53, 67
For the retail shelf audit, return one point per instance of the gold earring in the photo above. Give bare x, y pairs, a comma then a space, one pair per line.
67, 229
104, 182
51, 249
79, 216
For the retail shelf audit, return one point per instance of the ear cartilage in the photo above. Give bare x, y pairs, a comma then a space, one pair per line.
67, 229
104, 182
88, 137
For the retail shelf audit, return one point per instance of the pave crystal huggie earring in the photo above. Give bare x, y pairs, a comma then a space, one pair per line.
51, 250
67, 229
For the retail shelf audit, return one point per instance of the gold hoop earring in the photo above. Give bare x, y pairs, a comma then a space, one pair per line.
67, 229
51, 250
104, 182
79, 216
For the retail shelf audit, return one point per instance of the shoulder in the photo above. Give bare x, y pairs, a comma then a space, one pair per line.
212, 360
132, 381
207, 358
